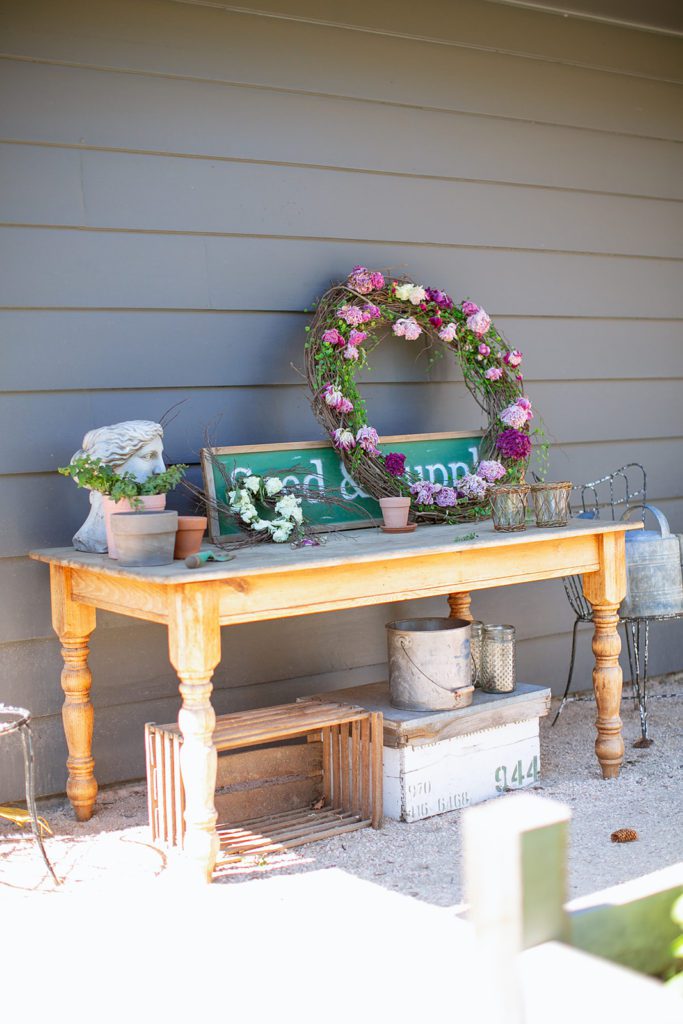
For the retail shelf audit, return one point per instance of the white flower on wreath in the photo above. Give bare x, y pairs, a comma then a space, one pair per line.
281, 530
410, 292
289, 507
253, 483
248, 514
273, 486
260, 525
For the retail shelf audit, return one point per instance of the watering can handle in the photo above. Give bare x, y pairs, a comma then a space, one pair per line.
404, 644
659, 516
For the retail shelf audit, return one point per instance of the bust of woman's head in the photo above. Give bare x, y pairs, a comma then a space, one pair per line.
134, 446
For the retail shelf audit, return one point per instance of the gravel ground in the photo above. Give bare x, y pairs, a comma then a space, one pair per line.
422, 859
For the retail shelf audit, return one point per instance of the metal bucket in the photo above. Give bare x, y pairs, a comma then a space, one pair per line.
430, 664
654, 581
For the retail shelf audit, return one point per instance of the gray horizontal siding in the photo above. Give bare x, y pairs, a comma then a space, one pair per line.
45, 423
179, 182
134, 270
170, 349
93, 110
152, 193
198, 42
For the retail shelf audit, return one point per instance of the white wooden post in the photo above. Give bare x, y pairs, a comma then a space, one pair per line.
515, 873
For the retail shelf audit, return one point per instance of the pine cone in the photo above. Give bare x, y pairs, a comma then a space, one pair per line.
624, 835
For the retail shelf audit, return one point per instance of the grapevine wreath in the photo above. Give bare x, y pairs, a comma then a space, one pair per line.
346, 327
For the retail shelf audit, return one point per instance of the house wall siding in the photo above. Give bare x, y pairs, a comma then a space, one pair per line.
179, 180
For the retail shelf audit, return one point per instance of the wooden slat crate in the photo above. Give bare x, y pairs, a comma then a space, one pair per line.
324, 780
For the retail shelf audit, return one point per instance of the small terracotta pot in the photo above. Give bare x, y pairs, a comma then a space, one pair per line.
189, 536
395, 511
150, 503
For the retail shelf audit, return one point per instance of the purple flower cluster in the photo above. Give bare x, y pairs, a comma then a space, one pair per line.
424, 492
395, 463
364, 281
490, 470
446, 497
512, 444
472, 487
442, 300
469, 308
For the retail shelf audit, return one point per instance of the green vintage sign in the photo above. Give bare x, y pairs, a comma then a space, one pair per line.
315, 465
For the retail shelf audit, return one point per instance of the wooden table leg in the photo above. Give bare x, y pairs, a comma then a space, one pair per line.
194, 639
605, 590
73, 623
460, 606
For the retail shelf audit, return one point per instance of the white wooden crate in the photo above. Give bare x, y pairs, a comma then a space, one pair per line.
446, 776
446, 760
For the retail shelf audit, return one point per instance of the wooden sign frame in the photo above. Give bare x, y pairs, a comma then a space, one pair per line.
206, 454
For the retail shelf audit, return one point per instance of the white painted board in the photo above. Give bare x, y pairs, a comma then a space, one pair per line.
422, 781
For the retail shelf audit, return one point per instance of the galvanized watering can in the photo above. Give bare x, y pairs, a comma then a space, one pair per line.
654, 580
430, 664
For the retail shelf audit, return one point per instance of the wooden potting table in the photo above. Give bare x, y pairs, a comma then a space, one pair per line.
351, 570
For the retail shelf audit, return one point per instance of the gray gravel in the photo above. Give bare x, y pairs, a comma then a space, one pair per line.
422, 859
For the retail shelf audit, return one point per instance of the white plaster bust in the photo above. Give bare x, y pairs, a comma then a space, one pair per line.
135, 446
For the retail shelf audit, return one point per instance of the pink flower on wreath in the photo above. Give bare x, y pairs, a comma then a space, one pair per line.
484, 350
494, 373
408, 328
352, 315
513, 357
424, 492
364, 281
449, 332
372, 312
361, 280
514, 416
491, 470
333, 337
343, 439
520, 377
357, 337
395, 463
336, 400
368, 438
525, 404
472, 487
351, 353
513, 445
469, 308
479, 322
435, 321
446, 497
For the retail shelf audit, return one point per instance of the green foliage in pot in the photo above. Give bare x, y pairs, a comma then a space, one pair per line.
98, 476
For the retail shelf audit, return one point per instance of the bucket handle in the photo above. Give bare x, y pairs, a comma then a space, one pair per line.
659, 516
404, 643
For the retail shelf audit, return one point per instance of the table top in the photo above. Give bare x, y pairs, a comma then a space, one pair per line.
341, 547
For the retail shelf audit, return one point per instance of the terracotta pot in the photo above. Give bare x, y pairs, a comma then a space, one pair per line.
189, 536
395, 511
145, 538
150, 503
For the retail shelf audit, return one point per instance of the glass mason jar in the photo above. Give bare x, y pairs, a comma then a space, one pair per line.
498, 669
508, 506
551, 503
476, 628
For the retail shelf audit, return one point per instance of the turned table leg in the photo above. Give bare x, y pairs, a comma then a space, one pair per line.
605, 590
194, 646
460, 606
73, 623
